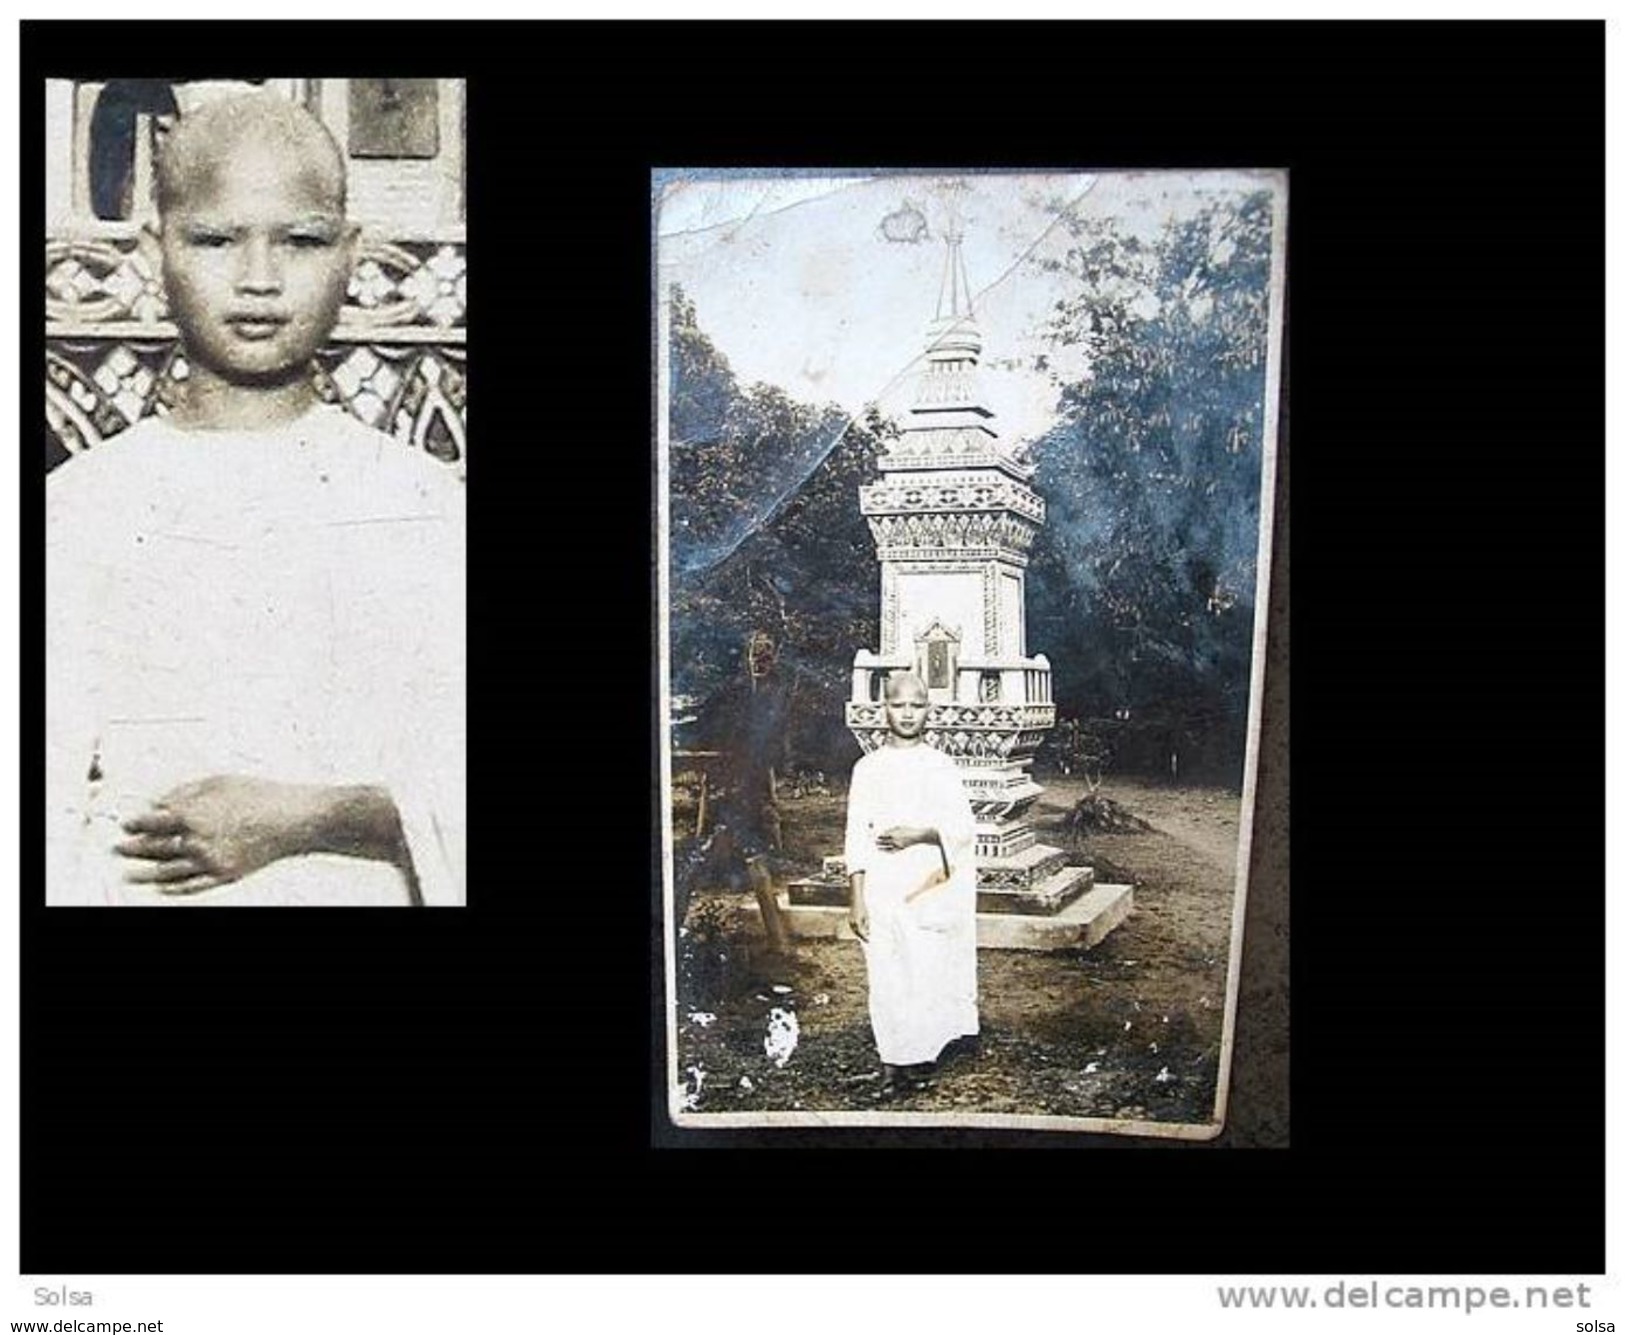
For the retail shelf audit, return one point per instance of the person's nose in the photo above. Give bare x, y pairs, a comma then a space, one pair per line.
261, 271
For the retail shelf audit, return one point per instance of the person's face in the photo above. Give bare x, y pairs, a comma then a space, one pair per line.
257, 257
905, 710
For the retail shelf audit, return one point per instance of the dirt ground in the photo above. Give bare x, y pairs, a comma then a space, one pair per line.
1130, 1029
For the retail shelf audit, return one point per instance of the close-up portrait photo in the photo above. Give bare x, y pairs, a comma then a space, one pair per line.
255, 499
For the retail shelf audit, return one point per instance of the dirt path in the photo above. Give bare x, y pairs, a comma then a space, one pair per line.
1128, 1029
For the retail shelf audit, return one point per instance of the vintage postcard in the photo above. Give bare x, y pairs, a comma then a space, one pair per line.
965, 485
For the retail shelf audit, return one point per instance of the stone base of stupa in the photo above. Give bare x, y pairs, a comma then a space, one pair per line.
1030, 900
1083, 922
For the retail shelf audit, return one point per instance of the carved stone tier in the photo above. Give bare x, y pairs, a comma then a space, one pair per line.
996, 537
1050, 895
1002, 838
999, 793
959, 447
951, 491
1003, 835
960, 513
996, 733
1021, 870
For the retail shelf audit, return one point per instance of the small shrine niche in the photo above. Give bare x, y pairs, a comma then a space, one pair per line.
936, 655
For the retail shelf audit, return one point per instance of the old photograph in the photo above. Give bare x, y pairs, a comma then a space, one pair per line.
255, 493
964, 496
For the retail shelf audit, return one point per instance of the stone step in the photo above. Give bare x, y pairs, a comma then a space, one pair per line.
1045, 897
1019, 871
815, 890
1036, 882
1083, 923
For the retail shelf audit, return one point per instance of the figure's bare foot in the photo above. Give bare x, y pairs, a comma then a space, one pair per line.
892, 1083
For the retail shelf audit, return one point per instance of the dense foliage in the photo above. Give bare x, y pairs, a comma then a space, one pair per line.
1142, 582
767, 538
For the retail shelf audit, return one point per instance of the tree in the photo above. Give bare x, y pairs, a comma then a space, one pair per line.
767, 537
1141, 585
737, 452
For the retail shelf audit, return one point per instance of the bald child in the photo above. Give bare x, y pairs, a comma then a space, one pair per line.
910, 859
255, 605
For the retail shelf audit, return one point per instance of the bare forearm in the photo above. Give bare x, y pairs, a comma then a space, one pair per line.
218, 830
932, 835
907, 836
358, 821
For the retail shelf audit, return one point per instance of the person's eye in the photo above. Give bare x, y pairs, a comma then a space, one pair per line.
209, 240
309, 240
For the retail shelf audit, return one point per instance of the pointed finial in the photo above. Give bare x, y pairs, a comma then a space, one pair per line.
953, 298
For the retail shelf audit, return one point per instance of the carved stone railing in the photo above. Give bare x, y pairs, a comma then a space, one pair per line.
976, 684
992, 732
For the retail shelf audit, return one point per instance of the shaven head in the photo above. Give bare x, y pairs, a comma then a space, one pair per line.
899, 682
276, 134
257, 252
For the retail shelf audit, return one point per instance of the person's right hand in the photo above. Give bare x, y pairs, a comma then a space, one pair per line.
857, 919
212, 832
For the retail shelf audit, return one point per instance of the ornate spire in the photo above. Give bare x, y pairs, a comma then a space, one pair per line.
947, 402
954, 300
953, 342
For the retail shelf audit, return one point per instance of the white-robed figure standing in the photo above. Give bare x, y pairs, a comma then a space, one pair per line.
910, 857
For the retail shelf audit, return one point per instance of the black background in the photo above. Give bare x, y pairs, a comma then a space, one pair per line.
357, 1092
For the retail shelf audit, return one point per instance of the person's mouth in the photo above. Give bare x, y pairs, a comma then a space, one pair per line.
256, 327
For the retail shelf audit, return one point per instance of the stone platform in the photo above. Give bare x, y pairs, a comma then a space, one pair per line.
1082, 923
1057, 887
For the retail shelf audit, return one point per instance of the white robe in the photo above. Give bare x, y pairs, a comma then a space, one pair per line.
921, 951
287, 604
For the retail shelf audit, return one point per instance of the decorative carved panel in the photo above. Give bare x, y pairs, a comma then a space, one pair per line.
398, 285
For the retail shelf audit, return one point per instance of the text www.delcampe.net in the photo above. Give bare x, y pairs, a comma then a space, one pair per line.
1367, 1294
